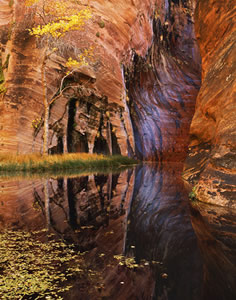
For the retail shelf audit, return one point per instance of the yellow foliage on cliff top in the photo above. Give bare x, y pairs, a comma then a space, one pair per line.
62, 25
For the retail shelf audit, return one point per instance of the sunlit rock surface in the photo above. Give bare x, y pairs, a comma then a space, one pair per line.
127, 25
212, 155
148, 44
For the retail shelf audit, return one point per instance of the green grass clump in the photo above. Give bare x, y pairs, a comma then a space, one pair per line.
70, 163
193, 194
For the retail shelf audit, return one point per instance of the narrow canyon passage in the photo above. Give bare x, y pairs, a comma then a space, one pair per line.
163, 87
160, 88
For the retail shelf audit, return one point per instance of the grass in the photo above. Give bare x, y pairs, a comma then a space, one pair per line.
71, 163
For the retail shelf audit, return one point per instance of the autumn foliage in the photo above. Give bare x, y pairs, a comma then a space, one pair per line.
55, 18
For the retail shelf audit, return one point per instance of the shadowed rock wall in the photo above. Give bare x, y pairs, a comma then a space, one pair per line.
212, 158
163, 86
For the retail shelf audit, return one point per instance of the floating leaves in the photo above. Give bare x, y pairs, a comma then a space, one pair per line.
31, 268
129, 262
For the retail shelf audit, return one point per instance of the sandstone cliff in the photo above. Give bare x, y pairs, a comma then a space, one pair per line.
136, 98
212, 158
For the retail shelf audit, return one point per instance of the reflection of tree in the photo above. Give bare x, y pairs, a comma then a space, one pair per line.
46, 202
54, 194
87, 201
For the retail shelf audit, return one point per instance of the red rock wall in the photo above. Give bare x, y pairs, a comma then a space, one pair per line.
212, 158
160, 33
127, 26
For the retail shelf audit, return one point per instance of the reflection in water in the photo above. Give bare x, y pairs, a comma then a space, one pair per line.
185, 252
161, 230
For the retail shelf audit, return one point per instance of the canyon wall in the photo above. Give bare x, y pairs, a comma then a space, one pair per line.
163, 86
211, 161
135, 98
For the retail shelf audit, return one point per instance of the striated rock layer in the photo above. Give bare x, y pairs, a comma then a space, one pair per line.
99, 111
163, 86
212, 156
147, 116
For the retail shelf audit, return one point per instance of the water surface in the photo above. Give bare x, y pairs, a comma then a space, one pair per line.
141, 236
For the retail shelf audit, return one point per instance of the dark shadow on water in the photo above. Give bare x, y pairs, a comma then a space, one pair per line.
179, 250
165, 228
161, 231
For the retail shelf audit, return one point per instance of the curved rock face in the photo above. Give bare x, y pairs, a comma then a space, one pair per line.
103, 113
152, 40
163, 86
212, 157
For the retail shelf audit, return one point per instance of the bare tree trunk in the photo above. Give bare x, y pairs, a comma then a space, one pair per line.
109, 137
109, 188
45, 129
65, 147
47, 203
46, 105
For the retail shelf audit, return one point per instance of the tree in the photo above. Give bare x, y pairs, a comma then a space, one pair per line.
57, 19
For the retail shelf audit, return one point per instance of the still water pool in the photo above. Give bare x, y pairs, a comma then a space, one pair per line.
128, 235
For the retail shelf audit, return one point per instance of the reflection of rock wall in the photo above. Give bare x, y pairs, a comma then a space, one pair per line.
192, 258
216, 243
160, 230
90, 212
212, 157
84, 201
18, 207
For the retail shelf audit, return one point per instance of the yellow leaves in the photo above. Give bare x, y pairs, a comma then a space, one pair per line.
87, 227
36, 122
30, 267
109, 232
31, 2
62, 24
73, 63
58, 8
82, 60
128, 262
